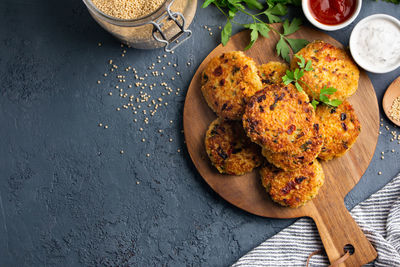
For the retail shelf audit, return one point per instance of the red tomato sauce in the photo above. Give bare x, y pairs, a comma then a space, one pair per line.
332, 12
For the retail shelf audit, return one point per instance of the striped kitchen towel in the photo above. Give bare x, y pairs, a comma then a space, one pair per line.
378, 217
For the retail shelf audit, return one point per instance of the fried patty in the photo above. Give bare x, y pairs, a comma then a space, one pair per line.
228, 82
305, 153
279, 118
229, 149
272, 72
339, 127
293, 188
332, 67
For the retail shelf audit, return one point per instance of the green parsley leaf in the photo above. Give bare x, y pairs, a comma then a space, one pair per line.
297, 44
288, 78
253, 36
314, 103
253, 4
308, 66
291, 27
226, 33
283, 50
323, 98
262, 29
327, 90
298, 87
232, 13
207, 3
302, 61
274, 11
335, 102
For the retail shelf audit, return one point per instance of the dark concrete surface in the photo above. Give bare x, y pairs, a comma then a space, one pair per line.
67, 195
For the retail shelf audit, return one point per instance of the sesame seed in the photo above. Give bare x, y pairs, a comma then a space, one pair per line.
141, 129
98, 82
179, 150
392, 150
137, 182
382, 157
188, 63
147, 155
379, 173
210, 33
122, 152
100, 124
110, 93
382, 153
143, 140
106, 127
99, 44
170, 121
170, 139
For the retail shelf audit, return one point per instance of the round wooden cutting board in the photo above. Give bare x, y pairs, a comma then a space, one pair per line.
335, 224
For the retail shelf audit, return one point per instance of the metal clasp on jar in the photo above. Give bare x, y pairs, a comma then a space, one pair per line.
172, 43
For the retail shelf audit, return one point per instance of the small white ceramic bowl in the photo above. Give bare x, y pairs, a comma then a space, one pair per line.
354, 45
306, 9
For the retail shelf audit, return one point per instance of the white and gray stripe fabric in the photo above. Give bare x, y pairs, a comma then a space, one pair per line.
378, 217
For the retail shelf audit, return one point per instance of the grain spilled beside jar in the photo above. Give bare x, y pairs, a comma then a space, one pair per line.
145, 24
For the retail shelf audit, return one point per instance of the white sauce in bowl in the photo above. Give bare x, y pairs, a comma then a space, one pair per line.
375, 43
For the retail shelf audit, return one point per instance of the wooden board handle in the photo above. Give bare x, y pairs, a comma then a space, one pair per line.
337, 229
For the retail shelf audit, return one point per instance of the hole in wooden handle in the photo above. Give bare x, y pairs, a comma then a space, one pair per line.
350, 248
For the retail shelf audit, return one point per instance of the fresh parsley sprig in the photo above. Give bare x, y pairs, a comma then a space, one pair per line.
294, 78
258, 27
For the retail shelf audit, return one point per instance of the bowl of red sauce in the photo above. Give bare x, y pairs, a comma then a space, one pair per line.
331, 15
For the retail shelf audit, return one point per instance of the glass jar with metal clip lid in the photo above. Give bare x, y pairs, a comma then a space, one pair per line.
166, 27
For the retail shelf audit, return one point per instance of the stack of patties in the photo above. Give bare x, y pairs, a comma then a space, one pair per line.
279, 120
332, 67
282, 121
228, 82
